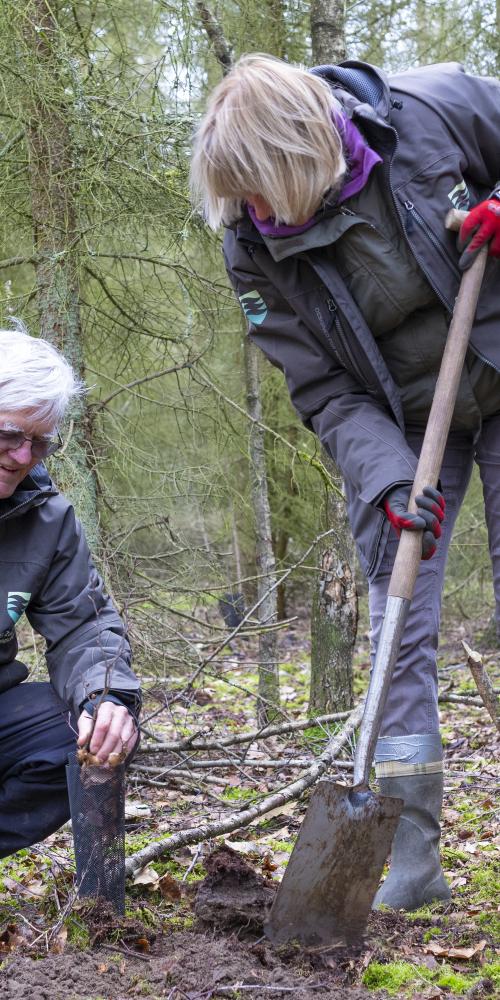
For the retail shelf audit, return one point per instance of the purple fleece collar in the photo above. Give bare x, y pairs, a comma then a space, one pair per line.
361, 160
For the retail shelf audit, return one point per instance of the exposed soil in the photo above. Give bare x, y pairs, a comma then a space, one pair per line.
201, 964
182, 965
194, 929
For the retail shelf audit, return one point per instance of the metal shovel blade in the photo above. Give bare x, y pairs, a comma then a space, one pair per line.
335, 867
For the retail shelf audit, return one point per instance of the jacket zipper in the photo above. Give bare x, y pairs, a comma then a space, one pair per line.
376, 544
25, 503
39, 497
346, 347
410, 208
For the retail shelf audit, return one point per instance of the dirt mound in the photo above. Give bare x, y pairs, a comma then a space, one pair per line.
233, 894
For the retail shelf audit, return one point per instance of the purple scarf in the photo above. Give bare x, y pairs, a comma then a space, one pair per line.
361, 160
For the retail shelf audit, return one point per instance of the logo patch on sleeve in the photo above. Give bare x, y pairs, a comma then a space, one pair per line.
460, 196
17, 602
254, 307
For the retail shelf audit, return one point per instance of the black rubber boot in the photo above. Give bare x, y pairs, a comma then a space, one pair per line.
415, 876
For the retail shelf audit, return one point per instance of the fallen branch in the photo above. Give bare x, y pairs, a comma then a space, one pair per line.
226, 762
460, 699
483, 683
175, 772
193, 742
236, 821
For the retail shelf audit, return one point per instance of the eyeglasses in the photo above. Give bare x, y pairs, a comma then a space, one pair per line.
40, 447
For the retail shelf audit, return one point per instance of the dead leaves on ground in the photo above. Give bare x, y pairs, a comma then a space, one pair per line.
464, 954
167, 885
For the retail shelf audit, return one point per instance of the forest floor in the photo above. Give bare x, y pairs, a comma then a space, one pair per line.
189, 935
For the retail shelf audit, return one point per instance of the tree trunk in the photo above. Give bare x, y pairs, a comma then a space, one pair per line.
334, 616
327, 31
269, 690
334, 613
53, 181
269, 694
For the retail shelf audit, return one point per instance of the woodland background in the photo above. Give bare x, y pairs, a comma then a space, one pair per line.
217, 521
102, 252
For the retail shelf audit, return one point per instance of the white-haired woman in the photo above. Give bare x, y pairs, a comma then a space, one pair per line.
48, 574
333, 186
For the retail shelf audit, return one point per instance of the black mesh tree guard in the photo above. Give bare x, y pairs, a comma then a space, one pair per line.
97, 802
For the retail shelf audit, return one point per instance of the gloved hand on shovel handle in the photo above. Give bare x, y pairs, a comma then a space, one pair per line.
481, 226
430, 513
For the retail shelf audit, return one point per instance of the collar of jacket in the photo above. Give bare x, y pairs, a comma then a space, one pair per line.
359, 85
34, 490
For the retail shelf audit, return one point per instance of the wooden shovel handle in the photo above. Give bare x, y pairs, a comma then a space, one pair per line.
409, 552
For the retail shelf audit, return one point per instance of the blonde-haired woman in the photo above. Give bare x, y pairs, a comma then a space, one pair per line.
333, 186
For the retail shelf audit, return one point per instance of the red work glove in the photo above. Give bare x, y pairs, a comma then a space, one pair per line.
430, 506
481, 226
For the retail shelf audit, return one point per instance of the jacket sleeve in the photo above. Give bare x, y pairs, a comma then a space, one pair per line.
356, 430
87, 644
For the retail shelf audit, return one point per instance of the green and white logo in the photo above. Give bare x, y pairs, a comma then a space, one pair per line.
459, 196
254, 307
17, 602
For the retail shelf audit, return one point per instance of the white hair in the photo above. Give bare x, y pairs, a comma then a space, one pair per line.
268, 130
35, 376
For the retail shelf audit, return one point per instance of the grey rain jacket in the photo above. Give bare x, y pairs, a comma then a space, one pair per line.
47, 572
438, 132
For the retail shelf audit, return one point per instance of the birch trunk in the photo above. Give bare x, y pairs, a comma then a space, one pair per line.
327, 31
269, 695
334, 615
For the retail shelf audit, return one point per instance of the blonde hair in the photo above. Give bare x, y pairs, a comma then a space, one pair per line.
268, 130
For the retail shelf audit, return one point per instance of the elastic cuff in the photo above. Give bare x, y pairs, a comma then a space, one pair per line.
396, 769
130, 701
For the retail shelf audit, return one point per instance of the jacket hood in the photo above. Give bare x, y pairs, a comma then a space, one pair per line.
358, 83
31, 492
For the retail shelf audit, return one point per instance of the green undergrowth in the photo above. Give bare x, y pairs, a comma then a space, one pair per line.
404, 978
484, 882
78, 933
235, 794
136, 841
428, 914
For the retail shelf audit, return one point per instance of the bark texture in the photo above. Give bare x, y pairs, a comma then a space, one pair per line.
53, 171
334, 618
327, 31
269, 695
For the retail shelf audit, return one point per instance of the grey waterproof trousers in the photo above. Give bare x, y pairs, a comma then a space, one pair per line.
412, 706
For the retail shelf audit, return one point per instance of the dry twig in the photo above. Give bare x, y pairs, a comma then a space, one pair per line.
489, 698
